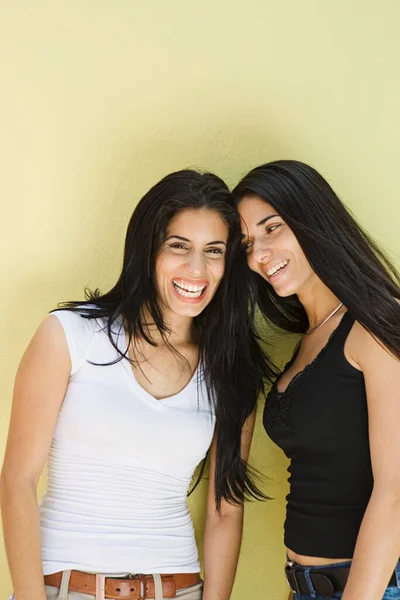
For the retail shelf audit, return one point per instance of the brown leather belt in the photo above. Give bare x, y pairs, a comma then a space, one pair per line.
134, 587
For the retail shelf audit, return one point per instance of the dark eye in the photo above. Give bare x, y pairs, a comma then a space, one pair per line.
215, 250
271, 228
246, 246
178, 246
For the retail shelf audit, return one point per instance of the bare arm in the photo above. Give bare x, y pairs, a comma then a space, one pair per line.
223, 532
378, 543
39, 390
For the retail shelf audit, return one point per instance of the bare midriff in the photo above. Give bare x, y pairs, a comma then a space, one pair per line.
316, 561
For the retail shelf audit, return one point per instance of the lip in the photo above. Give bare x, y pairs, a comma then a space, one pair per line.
276, 276
185, 299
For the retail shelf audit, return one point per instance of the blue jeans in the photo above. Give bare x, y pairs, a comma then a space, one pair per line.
392, 593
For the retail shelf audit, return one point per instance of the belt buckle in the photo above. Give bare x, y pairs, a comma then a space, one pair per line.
288, 568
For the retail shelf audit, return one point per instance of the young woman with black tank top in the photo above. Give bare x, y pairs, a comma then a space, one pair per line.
335, 409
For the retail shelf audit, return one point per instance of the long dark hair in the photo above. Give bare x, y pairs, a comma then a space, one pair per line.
347, 260
233, 363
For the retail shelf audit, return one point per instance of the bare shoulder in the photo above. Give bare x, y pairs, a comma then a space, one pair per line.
363, 349
50, 328
47, 346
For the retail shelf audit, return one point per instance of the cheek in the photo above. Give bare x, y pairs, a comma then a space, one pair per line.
302, 260
163, 270
251, 262
165, 265
218, 272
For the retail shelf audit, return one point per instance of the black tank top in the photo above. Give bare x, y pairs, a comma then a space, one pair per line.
321, 423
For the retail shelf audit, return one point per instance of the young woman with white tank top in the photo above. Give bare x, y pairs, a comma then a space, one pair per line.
124, 394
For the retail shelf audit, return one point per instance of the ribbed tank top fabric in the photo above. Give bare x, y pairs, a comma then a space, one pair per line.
321, 423
120, 465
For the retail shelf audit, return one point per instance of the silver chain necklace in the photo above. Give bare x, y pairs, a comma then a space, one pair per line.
325, 320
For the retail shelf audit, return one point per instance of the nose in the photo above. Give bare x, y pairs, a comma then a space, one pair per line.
195, 263
261, 251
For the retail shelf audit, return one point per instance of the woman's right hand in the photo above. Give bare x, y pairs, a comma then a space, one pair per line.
40, 386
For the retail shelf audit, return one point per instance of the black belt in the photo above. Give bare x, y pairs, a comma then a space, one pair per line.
326, 581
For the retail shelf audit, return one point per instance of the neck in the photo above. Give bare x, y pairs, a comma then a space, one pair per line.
318, 302
179, 329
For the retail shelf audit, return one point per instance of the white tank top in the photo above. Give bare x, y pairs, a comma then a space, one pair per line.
120, 465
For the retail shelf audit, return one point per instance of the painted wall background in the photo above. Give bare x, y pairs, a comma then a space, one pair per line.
101, 99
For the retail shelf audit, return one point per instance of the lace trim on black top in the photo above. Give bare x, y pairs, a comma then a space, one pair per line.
277, 407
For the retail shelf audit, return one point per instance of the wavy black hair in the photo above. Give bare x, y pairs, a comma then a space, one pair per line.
344, 256
233, 363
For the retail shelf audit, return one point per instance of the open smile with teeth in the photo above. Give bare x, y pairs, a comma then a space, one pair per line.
276, 268
188, 290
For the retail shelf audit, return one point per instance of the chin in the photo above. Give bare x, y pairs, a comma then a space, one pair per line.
188, 311
285, 292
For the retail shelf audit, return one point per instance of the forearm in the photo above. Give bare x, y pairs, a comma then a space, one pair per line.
222, 539
377, 549
21, 525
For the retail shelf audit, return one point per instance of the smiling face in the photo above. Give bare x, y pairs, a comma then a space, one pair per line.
191, 261
272, 248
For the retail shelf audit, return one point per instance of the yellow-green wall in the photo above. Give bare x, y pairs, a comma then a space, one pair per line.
102, 98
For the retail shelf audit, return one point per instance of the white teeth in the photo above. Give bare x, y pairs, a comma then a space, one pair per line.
277, 267
189, 287
189, 290
188, 294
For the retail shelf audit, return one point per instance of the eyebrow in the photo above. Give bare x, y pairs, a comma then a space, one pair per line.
183, 239
263, 221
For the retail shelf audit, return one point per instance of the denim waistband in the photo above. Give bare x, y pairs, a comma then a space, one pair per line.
393, 592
